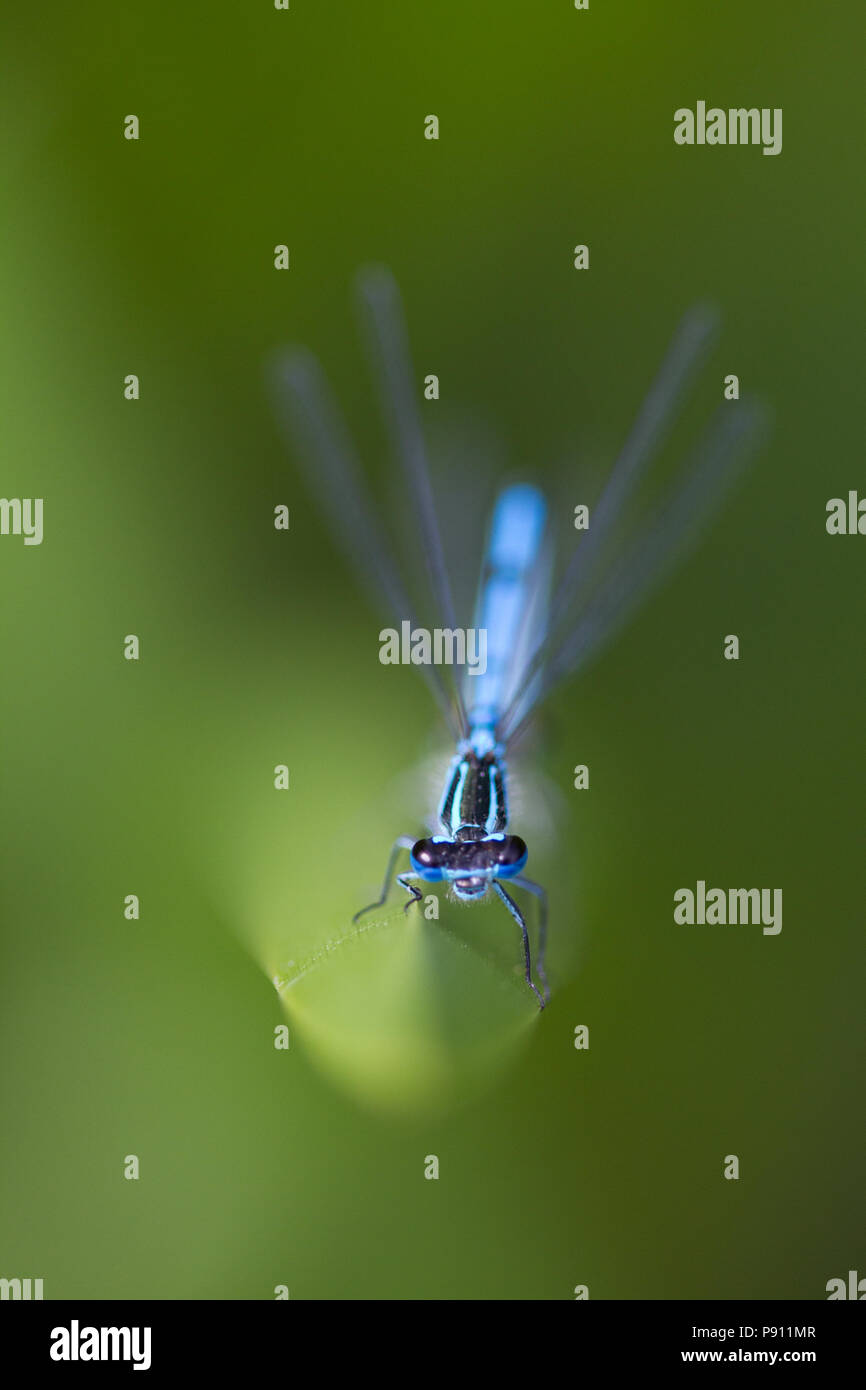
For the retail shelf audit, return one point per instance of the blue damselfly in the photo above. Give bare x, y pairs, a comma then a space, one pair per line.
535, 641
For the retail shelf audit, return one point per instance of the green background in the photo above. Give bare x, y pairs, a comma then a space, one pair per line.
305, 1167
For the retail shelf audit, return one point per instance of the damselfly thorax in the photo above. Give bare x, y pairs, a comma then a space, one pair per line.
473, 849
474, 802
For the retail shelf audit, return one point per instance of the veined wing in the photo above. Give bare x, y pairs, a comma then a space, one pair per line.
684, 356
673, 528
312, 420
385, 323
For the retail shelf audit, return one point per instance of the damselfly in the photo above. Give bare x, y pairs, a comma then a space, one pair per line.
533, 642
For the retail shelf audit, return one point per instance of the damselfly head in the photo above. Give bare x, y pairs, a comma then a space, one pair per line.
469, 866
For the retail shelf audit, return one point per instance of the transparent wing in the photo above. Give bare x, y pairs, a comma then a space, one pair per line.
684, 356
674, 528
311, 418
385, 323
470, 465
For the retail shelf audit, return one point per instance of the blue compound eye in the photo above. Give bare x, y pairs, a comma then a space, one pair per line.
427, 858
510, 853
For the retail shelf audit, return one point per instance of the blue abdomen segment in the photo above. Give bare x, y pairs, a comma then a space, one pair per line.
516, 533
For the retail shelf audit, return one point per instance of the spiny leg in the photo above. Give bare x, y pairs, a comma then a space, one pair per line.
521, 922
541, 894
402, 842
417, 895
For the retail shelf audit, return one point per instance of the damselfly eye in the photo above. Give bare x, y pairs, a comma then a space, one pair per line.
427, 854
510, 851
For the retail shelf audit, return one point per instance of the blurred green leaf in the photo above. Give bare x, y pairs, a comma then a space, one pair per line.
405, 1012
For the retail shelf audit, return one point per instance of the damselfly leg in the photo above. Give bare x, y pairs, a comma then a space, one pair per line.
402, 842
417, 895
541, 894
521, 922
